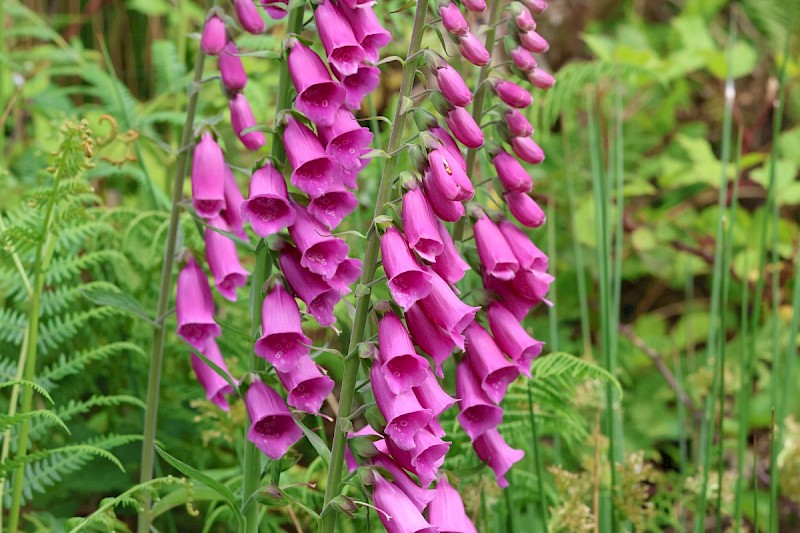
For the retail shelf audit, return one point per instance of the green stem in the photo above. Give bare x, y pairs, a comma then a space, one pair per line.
370, 263
479, 101
165, 290
537, 459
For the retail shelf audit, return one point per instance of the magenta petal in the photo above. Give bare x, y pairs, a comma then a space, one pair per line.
341, 45
536, 6
318, 96
497, 259
282, 341
268, 209
430, 338
215, 385
276, 9
371, 35
213, 39
307, 385
512, 338
488, 362
534, 42
511, 173
511, 298
248, 16
398, 513
523, 60
449, 177
525, 209
346, 140
452, 19
464, 128
445, 309
331, 207
223, 260
523, 19
419, 225
241, 119
315, 172
232, 214
473, 50
272, 428
402, 367
403, 413
194, 306
321, 252
423, 458
449, 145
541, 79
494, 451
512, 94
529, 256
208, 178
447, 210
532, 284
478, 6
358, 85
319, 296
446, 510
431, 395
419, 497
231, 70
449, 264
347, 272
453, 87
407, 281
478, 414
518, 125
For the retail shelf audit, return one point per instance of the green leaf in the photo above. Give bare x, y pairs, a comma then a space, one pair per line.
118, 300
316, 442
25, 383
564, 364
404, 7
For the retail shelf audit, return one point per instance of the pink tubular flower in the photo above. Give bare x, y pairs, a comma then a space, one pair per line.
282, 341
398, 513
419, 497
525, 209
224, 261
450, 145
346, 139
215, 385
452, 19
321, 252
518, 125
449, 264
194, 306
488, 362
232, 213
523, 19
510, 297
513, 177
523, 59
346, 273
369, 32
473, 50
541, 79
533, 42
430, 338
208, 178
268, 209
497, 259
431, 395
248, 16
446, 510
213, 40
424, 457
478, 6
464, 128
337, 38
403, 413
315, 172
358, 85
529, 256
452, 86
318, 96
527, 150
276, 9
446, 310
401, 366
512, 94
231, 70
478, 414
331, 207
447, 210
318, 295
536, 6
512, 338
272, 428
407, 281
241, 119
307, 385
449, 177
494, 451
419, 225
533, 284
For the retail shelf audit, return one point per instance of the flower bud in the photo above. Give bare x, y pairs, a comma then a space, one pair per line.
473, 50
478, 6
208, 178
523, 59
527, 150
249, 16
512, 94
511, 174
523, 18
241, 119
533, 42
231, 70
213, 40
452, 19
223, 260
541, 79
452, 86
464, 128
525, 209
517, 124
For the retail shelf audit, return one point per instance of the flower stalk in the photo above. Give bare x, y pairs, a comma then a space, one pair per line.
352, 361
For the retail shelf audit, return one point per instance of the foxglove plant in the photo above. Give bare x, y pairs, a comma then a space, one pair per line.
297, 198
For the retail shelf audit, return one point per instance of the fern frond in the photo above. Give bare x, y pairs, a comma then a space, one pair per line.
170, 71
12, 326
63, 298
62, 268
9, 421
57, 330
73, 408
77, 449
25, 383
564, 364
75, 363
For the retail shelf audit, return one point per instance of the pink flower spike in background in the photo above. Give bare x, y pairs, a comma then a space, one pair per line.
272, 428
223, 260
194, 306
241, 119
208, 178
282, 341
231, 69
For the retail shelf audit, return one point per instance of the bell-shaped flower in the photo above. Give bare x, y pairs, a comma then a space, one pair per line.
241, 119
445, 209
403, 413
449, 264
321, 252
272, 428
369, 32
276, 9
315, 172
464, 128
397, 512
282, 341
478, 6
213, 39
449, 145
446, 510
507, 293
402, 367
231, 69
341, 46
522, 59
419, 497
194, 306
446, 310
307, 385
232, 213
487, 361
318, 96
534, 42
452, 85
497, 259
208, 178
477, 412
358, 85
431, 395
267, 208
223, 260
407, 281
541, 79
452, 19
525, 209
332, 206
512, 338
345, 139
419, 225
527, 150
517, 124
347, 272
473, 50
529, 256
532, 284
318, 295
449, 177
511, 173
494, 451
512, 94
430, 338
248, 16
423, 458
216, 386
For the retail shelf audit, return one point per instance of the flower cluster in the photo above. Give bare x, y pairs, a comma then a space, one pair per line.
324, 145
